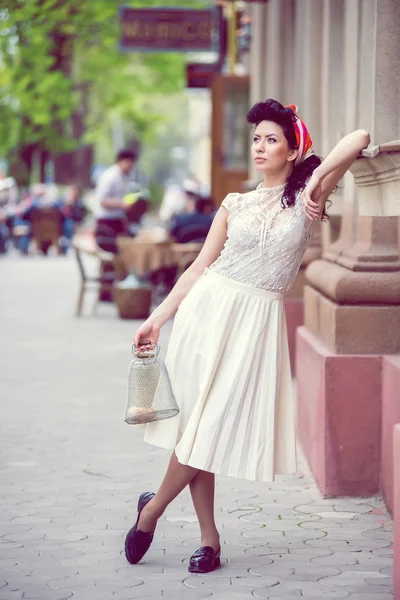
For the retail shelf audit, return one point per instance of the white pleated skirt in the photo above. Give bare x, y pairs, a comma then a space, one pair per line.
229, 366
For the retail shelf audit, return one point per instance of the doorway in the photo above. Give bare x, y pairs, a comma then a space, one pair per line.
230, 134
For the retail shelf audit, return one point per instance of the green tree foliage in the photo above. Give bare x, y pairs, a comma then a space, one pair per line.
63, 81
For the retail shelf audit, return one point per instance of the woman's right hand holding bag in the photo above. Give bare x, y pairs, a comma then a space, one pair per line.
149, 331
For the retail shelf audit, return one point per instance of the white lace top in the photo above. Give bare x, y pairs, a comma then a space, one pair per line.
265, 242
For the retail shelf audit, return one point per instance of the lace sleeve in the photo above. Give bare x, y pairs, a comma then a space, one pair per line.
230, 202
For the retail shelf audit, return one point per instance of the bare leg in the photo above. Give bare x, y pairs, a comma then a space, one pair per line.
202, 490
176, 479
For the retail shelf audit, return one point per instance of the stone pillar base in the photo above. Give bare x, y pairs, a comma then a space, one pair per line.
294, 309
390, 416
353, 312
396, 511
339, 416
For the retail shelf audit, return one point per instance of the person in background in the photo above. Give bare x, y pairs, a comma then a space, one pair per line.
176, 198
4, 231
113, 185
73, 212
8, 191
8, 201
120, 204
195, 223
36, 199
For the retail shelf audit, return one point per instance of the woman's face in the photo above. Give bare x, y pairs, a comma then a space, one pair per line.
270, 149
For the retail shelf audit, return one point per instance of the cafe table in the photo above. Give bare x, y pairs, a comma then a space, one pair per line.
145, 254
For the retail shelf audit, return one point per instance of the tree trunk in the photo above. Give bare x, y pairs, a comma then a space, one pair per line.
43, 159
21, 163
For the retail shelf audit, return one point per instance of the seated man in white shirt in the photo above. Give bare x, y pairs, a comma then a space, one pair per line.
112, 187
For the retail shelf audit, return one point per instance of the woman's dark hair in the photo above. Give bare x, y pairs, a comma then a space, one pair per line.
271, 110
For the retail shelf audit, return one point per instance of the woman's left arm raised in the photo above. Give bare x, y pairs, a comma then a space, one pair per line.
331, 170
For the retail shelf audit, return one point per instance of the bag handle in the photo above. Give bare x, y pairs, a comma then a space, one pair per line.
146, 349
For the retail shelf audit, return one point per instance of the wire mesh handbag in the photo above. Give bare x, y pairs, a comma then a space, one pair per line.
150, 396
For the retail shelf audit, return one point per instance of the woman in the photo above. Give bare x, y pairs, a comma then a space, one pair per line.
228, 355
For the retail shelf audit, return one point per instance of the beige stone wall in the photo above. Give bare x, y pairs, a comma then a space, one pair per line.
338, 61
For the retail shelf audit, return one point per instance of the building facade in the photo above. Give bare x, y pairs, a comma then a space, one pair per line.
338, 60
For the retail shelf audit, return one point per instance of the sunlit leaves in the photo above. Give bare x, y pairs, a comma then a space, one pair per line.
44, 83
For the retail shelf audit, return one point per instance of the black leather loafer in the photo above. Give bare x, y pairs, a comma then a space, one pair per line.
138, 542
204, 560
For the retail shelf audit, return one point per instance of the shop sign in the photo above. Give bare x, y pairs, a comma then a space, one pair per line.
154, 30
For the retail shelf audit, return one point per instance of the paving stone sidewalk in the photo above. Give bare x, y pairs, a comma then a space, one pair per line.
71, 471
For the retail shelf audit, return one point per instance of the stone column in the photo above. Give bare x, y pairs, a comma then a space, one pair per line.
352, 296
337, 123
257, 52
352, 319
257, 70
353, 305
299, 42
332, 102
294, 303
277, 63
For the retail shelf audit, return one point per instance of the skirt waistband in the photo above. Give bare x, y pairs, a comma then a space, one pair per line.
244, 287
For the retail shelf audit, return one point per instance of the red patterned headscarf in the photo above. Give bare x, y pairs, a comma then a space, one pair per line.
303, 138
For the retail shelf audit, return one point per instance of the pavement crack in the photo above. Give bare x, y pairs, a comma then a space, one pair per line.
96, 474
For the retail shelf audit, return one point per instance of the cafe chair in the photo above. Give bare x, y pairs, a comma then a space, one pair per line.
102, 283
46, 228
